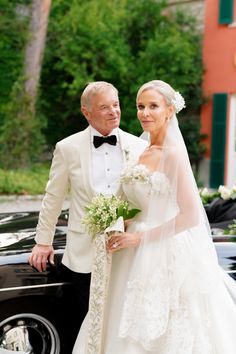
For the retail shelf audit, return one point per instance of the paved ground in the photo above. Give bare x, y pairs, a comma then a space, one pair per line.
23, 203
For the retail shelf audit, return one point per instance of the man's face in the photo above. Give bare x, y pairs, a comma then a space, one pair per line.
104, 113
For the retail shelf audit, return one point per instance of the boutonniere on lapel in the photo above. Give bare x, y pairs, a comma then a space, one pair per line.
127, 154
129, 157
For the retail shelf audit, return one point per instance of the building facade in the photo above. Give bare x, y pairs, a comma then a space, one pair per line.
218, 116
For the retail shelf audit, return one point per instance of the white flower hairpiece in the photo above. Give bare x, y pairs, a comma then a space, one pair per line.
178, 102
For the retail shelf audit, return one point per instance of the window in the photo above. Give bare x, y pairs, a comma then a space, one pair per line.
231, 146
226, 11
217, 164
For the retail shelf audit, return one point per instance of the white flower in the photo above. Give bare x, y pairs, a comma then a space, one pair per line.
160, 183
233, 192
135, 173
178, 102
141, 174
204, 192
225, 192
104, 211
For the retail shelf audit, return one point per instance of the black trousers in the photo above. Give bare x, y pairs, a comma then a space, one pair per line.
75, 303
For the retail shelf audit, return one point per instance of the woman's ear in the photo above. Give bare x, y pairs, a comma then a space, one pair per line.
171, 111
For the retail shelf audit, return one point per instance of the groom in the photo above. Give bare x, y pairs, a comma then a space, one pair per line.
85, 164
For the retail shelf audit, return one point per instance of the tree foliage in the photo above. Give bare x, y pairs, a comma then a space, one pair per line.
125, 42
21, 140
12, 41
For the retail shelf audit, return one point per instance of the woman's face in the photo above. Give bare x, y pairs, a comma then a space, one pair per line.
153, 112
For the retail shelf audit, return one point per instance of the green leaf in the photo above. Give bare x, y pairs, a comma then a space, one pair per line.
131, 213
120, 211
231, 229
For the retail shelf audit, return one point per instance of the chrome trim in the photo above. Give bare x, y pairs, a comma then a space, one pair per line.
39, 321
31, 286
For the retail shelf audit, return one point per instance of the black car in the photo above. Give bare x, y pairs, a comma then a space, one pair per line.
38, 310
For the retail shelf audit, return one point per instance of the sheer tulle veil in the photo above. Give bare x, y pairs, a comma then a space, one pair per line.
169, 294
191, 268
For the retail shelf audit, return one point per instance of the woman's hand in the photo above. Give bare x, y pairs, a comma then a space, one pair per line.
127, 223
124, 240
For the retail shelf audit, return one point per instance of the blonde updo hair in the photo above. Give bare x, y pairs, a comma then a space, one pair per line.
162, 87
92, 89
172, 97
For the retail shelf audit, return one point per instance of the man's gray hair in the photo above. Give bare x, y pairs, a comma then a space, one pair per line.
92, 89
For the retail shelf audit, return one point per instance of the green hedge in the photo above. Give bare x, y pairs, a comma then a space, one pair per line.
32, 181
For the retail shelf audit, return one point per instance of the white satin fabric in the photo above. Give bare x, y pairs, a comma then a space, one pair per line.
169, 295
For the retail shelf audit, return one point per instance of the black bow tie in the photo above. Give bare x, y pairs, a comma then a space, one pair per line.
99, 140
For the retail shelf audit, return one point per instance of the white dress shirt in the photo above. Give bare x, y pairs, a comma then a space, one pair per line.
107, 162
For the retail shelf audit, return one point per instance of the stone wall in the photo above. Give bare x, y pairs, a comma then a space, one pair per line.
195, 7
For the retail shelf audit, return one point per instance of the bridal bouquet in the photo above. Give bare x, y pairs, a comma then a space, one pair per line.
103, 216
106, 214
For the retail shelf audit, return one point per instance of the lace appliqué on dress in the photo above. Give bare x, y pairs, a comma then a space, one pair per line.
148, 301
157, 314
98, 293
187, 332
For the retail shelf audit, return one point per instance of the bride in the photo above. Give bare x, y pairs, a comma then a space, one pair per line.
167, 293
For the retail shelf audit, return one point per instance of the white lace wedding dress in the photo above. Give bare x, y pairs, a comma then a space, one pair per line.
161, 298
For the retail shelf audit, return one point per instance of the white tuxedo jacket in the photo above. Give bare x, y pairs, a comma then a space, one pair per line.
71, 171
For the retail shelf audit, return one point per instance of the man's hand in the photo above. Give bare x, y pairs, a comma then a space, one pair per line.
40, 255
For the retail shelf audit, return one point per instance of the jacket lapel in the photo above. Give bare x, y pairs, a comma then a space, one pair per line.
86, 163
124, 144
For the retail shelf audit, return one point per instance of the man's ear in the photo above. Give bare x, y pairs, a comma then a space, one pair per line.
85, 112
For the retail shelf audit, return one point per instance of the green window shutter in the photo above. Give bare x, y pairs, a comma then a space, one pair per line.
226, 11
218, 139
